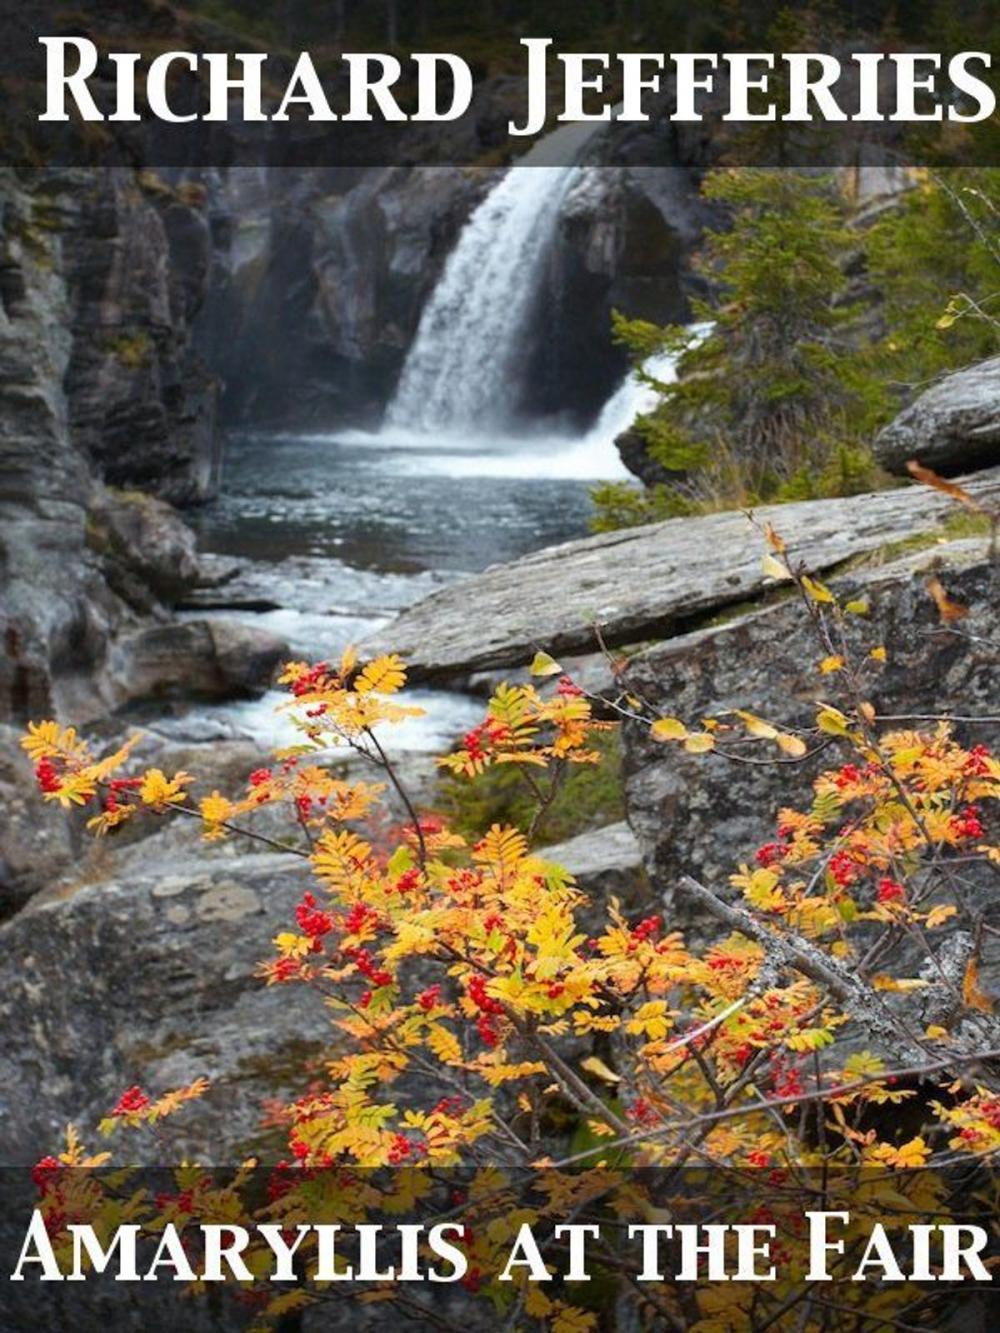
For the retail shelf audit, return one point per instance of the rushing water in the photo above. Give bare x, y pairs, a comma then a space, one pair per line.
463, 364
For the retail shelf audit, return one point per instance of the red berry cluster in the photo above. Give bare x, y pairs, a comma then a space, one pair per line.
116, 788
451, 1106
313, 921
44, 1172
489, 1010
408, 881
132, 1100
568, 688
785, 1078
359, 917
843, 868
365, 964
890, 891
480, 740
311, 680
770, 853
47, 776
967, 823
977, 764
402, 1149
642, 1112
284, 969
648, 928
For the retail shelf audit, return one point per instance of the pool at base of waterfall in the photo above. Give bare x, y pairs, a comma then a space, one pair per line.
334, 535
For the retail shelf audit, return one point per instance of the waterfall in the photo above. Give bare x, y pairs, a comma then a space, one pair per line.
462, 366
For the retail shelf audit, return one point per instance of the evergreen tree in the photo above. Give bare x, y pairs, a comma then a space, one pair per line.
773, 400
936, 261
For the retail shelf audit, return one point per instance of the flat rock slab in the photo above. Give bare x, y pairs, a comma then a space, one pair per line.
645, 583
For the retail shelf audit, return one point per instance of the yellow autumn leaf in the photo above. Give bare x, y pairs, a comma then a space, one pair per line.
878, 654
445, 1045
913, 1153
818, 592
700, 743
215, 810
385, 675
650, 1020
571, 1319
596, 1066
832, 721
831, 664
536, 1304
290, 945
756, 726
544, 665
810, 1039
761, 890
774, 569
668, 729
791, 745
158, 789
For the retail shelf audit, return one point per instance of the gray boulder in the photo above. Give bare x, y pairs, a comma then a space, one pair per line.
150, 979
952, 427
603, 860
147, 550
207, 659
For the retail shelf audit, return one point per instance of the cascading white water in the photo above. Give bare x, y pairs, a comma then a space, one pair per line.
592, 457
460, 368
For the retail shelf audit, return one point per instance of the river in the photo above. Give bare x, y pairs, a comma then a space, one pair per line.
333, 536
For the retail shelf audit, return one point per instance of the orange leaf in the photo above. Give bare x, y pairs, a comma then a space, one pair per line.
947, 609
972, 995
929, 478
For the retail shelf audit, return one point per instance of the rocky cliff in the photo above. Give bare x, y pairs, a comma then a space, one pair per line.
105, 407
320, 277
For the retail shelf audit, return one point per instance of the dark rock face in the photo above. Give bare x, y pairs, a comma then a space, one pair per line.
953, 426
141, 405
623, 242
702, 815
318, 283
56, 611
96, 381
